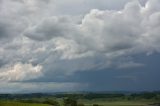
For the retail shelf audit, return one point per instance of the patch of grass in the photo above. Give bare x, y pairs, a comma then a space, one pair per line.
115, 103
8, 103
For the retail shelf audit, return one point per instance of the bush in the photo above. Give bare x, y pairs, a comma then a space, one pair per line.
80, 104
95, 105
51, 102
70, 102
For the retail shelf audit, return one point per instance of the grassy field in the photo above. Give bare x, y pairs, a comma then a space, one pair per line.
118, 103
89, 99
104, 102
86, 102
9, 103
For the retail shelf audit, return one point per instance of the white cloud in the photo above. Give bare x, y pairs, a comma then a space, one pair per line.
20, 72
103, 31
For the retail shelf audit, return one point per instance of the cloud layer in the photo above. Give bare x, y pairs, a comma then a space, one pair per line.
38, 42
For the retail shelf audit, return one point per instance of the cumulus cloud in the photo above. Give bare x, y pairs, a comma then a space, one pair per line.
20, 72
49, 28
36, 42
102, 31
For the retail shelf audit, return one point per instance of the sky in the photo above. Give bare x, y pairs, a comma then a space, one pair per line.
79, 45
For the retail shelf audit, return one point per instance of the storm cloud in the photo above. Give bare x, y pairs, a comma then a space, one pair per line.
46, 41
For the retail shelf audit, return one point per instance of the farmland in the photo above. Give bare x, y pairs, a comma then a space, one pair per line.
11, 103
81, 99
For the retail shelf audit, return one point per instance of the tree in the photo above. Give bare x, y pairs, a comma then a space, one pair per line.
70, 102
51, 102
80, 104
95, 105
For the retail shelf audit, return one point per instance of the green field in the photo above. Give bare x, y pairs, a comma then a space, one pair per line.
88, 99
86, 102
118, 103
7, 103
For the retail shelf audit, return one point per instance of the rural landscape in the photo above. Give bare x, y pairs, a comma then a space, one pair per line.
82, 99
79, 52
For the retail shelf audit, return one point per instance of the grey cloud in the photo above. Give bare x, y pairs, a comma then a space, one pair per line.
48, 28
84, 6
2, 63
18, 87
104, 28
3, 31
112, 34
130, 65
63, 45
108, 34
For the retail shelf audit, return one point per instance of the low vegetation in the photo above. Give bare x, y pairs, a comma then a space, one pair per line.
82, 99
12, 103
